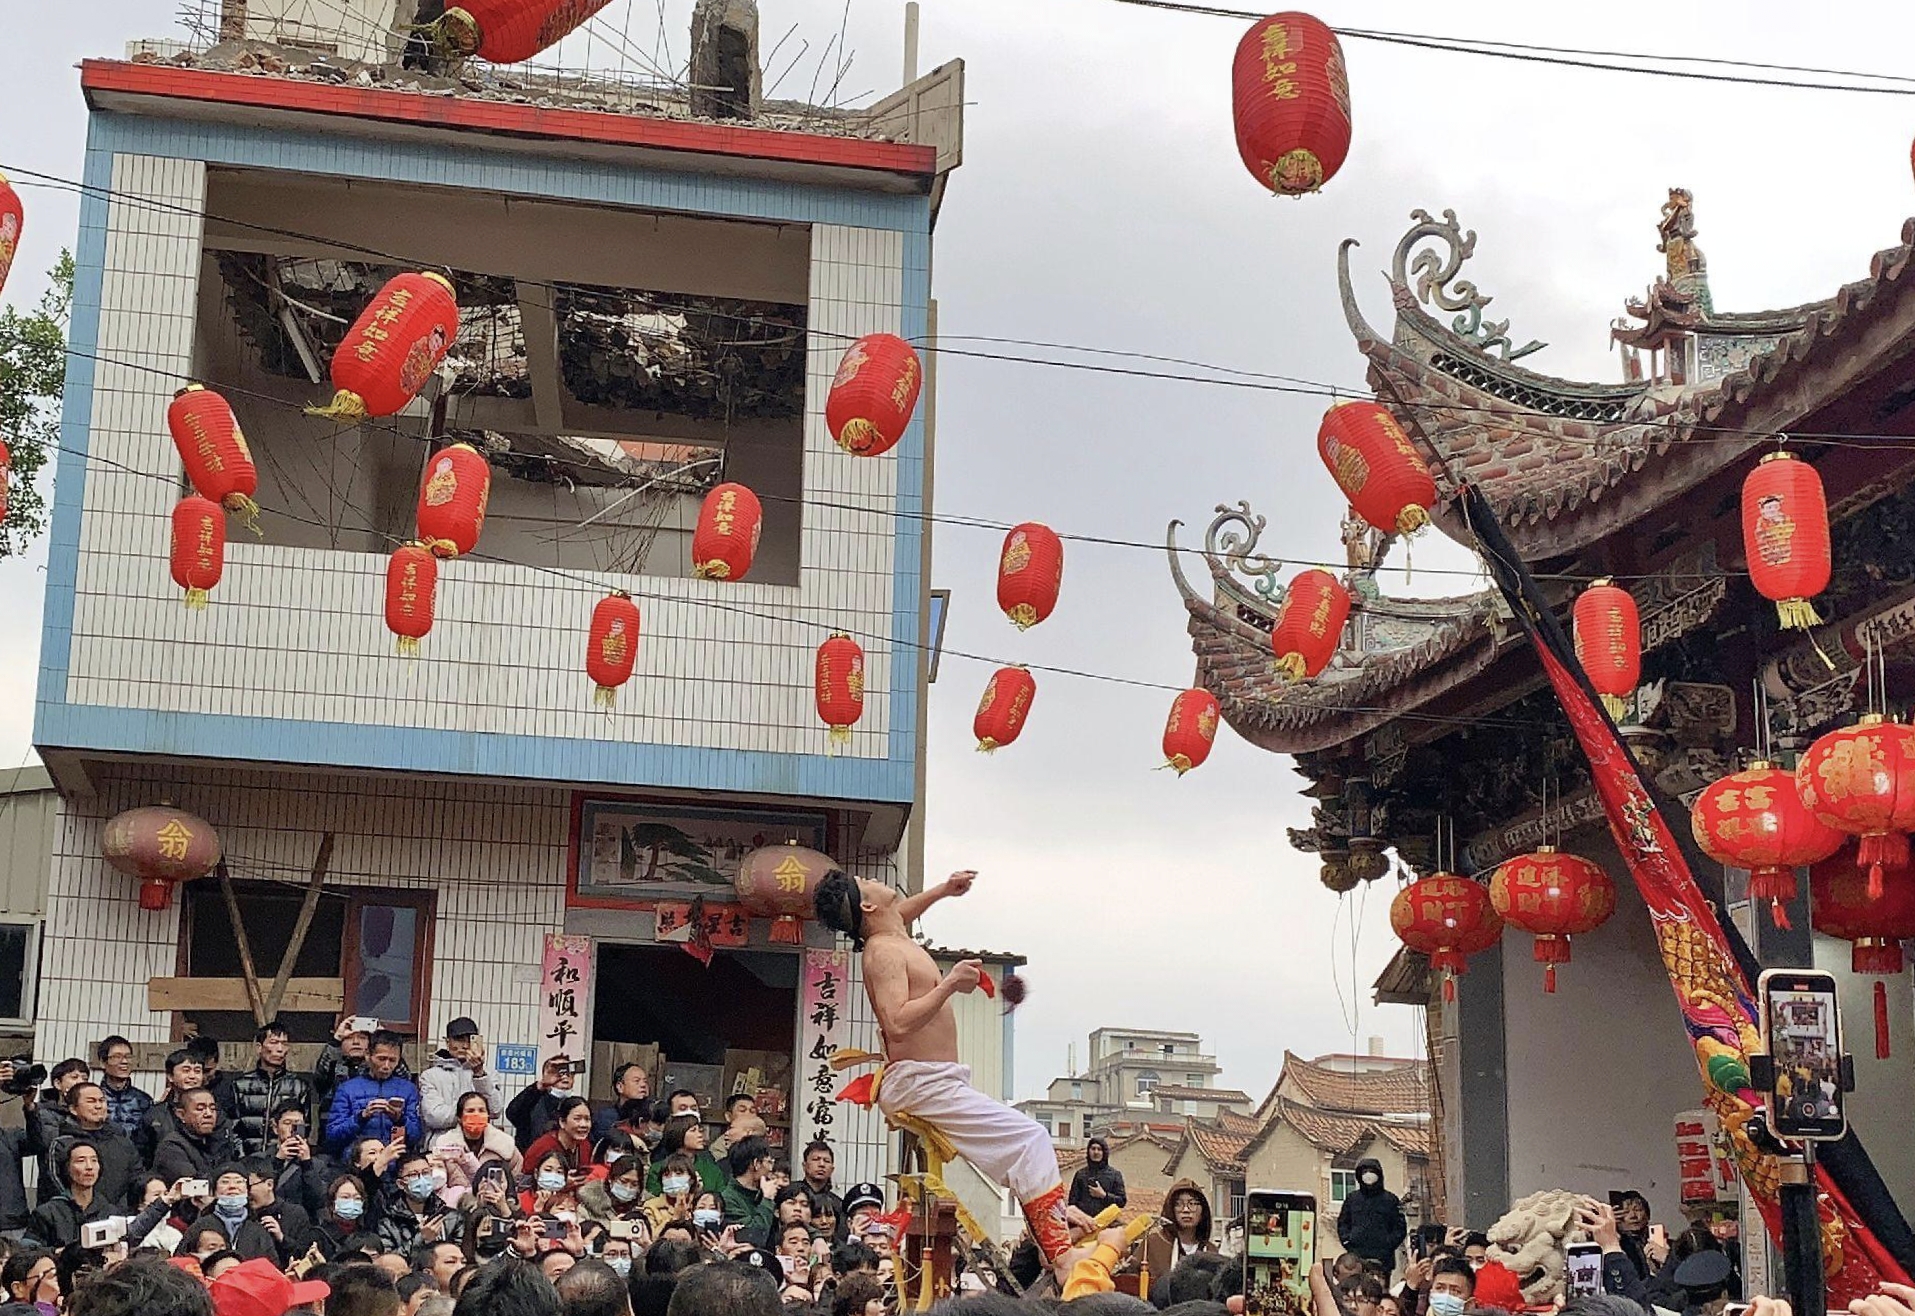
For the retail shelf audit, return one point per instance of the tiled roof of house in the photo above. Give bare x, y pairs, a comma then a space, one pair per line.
1177, 1092
1073, 1159
1222, 1152
1333, 1133
1231, 1122
1403, 1090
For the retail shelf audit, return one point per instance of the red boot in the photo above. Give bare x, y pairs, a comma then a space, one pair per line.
1045, 1215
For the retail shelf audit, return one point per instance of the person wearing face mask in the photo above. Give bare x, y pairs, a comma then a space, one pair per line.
473, 1143
685, 1136
618, 1254
620, 1195
678, 1181
548, 1186
232, 1211
341, 1225
1371, 1223
1452, 1285
410, 1211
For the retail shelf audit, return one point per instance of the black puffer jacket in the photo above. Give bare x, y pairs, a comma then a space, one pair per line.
1371, 1223
249, 1100
119, 1160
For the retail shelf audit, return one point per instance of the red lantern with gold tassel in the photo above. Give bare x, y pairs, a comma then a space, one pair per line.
13, 218
873, 394
1609, 642
392, 348
726, 538
611, 647
1290, 99
1785, 536
412, 580
1309, 624
1552, 896
780, 882
1190, 731
1001, 713
510, 31
199, 547
1840, 906
452, 498
1447, 918
214, 451
160, 846
1029, 574
1373, 462
838, 683
1861, 780
1755, 819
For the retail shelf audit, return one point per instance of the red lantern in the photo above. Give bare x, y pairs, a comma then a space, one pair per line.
839, 686
726, 539
1755, 819
159, 846
412, 578
512, 31
872, 397
779, 882
1553, 897
217, 460
1609, 642
1190, 730
1373, 462
452, 497
13, 218
392, 348
1001, 713
1861, 780
1785, 536
611, 649
199, 547
1291, 102
1309, 624
1840, 906
1029, 574
1448, 918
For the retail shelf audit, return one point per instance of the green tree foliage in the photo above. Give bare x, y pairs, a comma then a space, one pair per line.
32, 377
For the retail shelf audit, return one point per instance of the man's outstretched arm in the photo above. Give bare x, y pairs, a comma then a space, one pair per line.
911, 908
887, 982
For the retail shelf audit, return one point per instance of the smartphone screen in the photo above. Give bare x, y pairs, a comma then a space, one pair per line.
1585, 1269
1802, 1028
1279, 1248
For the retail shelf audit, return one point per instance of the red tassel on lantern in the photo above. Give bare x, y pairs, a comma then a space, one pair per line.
1001, 713
726, 538
198, 547
1785, 536
1861, 780
214, 452
1447, 918
873, 395
1840, 906
1309, 624
13, 218
1190, 731
1553, 897
1609, 642
1029, 574
839, 686
1374, 463
452, 500
392, 348
1755, 819
1290, 98
611, 647
511, 31
412, 579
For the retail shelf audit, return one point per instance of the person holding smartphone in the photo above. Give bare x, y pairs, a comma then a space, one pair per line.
377, 1102
473, 1143
458, 1069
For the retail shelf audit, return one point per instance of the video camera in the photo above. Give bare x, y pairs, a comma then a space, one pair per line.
27, 1076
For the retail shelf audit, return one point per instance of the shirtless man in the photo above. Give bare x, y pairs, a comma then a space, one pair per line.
922, 1076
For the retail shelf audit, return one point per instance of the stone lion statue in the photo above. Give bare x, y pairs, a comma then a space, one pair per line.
1529, 1241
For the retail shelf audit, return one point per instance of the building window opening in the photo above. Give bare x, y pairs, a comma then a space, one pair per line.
1147, 1082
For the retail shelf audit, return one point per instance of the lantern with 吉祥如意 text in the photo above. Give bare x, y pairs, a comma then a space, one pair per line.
453, 494
214, 451
1003, 709
1373, 462
1785, 536
1030, 572
509, 31
1190, 730
611, 647
838, 686
873, 395
198, 547
159, 845
13, 218
393, 347
1552, 896
412, 579
1861, 780
1755, 819
726, 538
1447, 918
1609, 642
779, 882
1840, 906
1309, 624
1290, 100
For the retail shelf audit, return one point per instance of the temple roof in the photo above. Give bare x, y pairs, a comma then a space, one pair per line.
1398, 1090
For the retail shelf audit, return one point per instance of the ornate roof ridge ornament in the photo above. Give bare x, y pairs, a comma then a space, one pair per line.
1437, 286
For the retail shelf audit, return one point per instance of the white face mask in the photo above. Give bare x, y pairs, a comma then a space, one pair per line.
1371, 1179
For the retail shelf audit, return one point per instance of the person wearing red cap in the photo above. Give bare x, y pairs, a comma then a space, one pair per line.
259, 1288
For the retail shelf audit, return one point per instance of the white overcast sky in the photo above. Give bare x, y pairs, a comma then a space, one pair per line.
1102, 203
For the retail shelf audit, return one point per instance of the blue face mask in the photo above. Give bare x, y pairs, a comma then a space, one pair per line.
1446, 1304
624, 1192
676, 1185
707, 1218
231, 1204
621, 1266
419, 1186
550, 1181
348, 1208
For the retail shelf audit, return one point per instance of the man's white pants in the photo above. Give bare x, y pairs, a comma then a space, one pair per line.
1003, 1144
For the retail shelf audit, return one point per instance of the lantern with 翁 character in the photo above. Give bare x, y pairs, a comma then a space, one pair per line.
1309, 624
1552, 896
1448, 918
726, 538
1840, 906
198, 547
778, 882
1609, 642
1785, 536
214, 451
160, 846
412, 580
1003, 709
510, 31
1373, 462
1290, 99
1030, 572
1755, 819
611, 647
13, 218
873, 395
1190, 730
1861, 780
393, 347
453, 494
838, 685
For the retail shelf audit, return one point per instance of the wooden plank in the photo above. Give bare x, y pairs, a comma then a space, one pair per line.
302, 994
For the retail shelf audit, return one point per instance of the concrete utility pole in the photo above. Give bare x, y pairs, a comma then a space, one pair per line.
910, 42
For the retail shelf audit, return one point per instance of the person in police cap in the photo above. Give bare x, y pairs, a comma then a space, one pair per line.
864, 1199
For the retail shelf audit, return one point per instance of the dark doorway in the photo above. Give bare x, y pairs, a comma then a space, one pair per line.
660, 995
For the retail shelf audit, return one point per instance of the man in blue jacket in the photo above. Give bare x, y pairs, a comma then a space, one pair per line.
377, 1102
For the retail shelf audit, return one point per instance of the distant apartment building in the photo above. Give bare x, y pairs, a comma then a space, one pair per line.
1134, 1077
